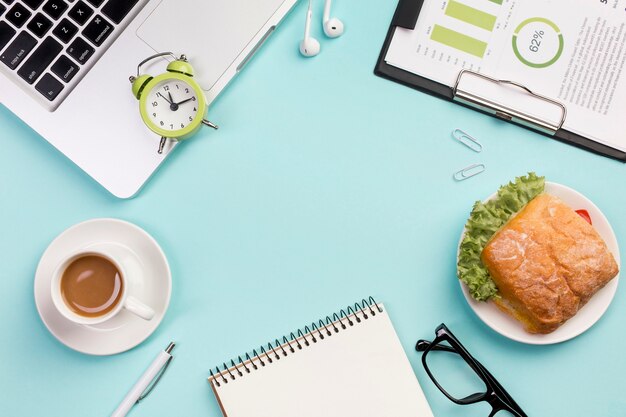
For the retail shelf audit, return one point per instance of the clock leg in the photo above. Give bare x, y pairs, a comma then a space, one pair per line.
210, 124
162, 144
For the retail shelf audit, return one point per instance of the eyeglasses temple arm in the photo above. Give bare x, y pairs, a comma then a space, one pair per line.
422, 345
501, 391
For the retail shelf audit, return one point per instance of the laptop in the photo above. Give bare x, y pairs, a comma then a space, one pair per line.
65, 65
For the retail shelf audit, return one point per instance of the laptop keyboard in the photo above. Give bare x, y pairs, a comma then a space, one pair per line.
48, 43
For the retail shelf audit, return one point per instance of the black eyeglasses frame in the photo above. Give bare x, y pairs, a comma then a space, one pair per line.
495, 394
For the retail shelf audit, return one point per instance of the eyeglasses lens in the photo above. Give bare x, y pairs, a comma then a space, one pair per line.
454, 374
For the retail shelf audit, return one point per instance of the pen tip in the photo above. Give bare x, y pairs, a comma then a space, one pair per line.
170, 347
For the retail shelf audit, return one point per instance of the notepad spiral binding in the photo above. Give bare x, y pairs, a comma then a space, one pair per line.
340, 321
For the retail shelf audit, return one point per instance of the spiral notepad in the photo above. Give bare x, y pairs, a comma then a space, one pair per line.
350, 364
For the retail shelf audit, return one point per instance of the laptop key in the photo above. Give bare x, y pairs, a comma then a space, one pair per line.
65, 30
6, 34
55, 8
65, 69
18, 49
2, 9
39, 25
33, 4
116, 10
37, 63
80, 13
98, 30
8, 1
49, 86
18, 15
80, 50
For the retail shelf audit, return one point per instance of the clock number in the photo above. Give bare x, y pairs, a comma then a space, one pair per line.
190, 119
171, 126
182, 125
154, 104
177, 87
153, 114
187, 90
193, 98
162, 123
166, 88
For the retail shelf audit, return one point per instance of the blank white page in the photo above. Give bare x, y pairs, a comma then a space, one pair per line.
359, 371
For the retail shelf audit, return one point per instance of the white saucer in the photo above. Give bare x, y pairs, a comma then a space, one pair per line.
588, 315
125, 330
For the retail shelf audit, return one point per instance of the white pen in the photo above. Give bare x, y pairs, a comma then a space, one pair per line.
146, 382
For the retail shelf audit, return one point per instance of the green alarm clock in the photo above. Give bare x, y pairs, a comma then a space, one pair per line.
172, 104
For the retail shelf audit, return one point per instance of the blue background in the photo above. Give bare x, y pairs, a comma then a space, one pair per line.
325, 184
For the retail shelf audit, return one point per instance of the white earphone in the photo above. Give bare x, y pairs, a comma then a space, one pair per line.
309, 46
333, 27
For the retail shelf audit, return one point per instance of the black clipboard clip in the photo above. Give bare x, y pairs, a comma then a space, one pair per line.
504, 112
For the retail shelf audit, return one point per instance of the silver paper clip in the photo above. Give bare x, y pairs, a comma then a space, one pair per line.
468, 172
467, 140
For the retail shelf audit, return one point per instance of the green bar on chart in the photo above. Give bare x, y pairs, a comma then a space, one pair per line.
471, 15
459, 41
496, 2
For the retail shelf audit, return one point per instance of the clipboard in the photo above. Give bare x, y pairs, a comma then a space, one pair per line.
405, 16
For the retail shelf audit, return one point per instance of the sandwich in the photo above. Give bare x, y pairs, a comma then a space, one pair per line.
535, 257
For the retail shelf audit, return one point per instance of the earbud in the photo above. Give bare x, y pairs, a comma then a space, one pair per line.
309, 46
333, 27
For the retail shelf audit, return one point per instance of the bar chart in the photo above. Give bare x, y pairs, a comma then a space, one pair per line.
460, 16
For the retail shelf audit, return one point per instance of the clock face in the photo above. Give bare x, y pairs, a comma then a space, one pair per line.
172, 105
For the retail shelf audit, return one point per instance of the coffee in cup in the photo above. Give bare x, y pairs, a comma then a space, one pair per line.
91, 286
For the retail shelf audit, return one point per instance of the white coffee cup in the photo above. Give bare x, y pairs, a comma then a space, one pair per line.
124, 261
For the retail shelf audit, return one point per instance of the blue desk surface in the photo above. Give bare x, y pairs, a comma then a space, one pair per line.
325, 184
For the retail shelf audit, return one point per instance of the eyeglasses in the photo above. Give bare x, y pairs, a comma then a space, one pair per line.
465, 389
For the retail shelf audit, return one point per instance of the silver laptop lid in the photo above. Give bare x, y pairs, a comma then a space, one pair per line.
212, 33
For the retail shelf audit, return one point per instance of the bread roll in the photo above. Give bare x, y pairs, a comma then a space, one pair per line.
547, 263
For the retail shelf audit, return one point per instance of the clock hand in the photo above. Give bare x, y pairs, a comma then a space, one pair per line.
173, 106
184, 101
164, 98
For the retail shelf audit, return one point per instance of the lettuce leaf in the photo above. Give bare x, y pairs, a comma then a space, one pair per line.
484, 221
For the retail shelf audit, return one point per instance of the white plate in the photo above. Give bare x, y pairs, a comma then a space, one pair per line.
587, 316
125, 330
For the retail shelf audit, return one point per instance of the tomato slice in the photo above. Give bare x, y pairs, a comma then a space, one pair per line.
585, 215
